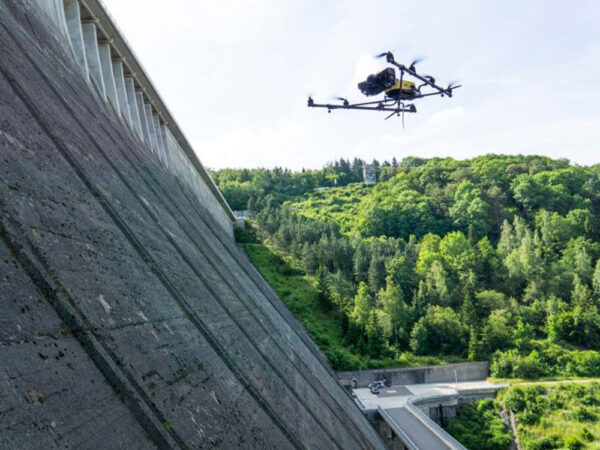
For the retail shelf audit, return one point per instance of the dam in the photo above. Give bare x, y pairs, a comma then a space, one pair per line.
129, 318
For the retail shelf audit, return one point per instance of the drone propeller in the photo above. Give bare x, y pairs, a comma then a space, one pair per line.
381, 55
451, 86
415, 62
342, 99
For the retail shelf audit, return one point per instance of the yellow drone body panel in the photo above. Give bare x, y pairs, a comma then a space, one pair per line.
406, 86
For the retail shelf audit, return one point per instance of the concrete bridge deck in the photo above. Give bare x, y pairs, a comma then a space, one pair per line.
405, 409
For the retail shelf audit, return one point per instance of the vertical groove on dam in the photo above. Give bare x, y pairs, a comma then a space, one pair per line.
125, 302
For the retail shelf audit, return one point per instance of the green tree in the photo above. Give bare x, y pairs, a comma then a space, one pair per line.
470, 210
496, 333
376, 272
581, 295
436, 285
475, 345
596, 281
323, 292
362, 261
375, 339
523, 335
457, 252
363, 304
440, 331
428, 253
399, 215
525, 262
391, 300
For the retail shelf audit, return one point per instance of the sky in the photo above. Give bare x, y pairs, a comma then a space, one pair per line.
236, 74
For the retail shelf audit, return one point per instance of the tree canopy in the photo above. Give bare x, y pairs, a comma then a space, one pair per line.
468, 258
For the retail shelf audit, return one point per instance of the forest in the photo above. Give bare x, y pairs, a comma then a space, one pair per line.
496, 257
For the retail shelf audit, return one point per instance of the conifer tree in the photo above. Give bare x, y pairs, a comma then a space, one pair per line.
363, 304
323, 292
375, 339
475, 352
596, 281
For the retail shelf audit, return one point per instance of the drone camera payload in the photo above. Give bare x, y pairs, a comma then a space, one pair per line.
397, 91
377, 83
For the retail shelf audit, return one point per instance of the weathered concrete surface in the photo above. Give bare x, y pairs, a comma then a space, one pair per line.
128, 318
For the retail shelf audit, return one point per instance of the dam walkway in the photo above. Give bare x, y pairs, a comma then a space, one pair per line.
406, 413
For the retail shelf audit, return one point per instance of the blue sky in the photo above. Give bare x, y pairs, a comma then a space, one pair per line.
236, 73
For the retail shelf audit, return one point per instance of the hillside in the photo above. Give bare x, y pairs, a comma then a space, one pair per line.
494, 257
542, 416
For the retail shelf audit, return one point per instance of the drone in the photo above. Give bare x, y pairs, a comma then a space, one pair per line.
399, 93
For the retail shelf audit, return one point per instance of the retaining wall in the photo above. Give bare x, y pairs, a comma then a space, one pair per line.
469, 371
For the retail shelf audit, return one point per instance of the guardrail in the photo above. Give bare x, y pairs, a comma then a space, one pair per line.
115, 74
406, 440
433, 427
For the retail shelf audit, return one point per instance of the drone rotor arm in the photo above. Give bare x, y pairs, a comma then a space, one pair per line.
371, 106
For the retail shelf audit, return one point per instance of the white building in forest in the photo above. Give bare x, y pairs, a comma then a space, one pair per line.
369, 174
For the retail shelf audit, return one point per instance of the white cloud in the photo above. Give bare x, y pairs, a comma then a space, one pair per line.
255, 147
235, 74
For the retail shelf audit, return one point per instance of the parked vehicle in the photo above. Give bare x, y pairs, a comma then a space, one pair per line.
376, 386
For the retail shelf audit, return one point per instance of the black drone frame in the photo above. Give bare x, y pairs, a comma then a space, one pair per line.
393, 105
396, 106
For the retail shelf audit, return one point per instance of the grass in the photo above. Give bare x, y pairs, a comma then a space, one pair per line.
297, 290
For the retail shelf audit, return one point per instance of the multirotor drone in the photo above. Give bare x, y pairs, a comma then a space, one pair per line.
398, 92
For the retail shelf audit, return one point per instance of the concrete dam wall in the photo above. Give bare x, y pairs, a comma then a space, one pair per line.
128, 317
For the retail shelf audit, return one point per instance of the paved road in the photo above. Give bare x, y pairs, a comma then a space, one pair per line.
395, 396
421, 436
531, 383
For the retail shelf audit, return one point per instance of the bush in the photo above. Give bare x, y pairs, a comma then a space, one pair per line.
530, 367
341, 359
583, 414
479, 427
528, 417
590, 400
555, 401
573, 443
503, 363
545, 443
587, 435
587, 363
245, 235
487, 404
546, 360
514, 399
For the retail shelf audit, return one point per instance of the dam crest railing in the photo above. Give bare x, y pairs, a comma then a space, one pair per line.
112, 70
